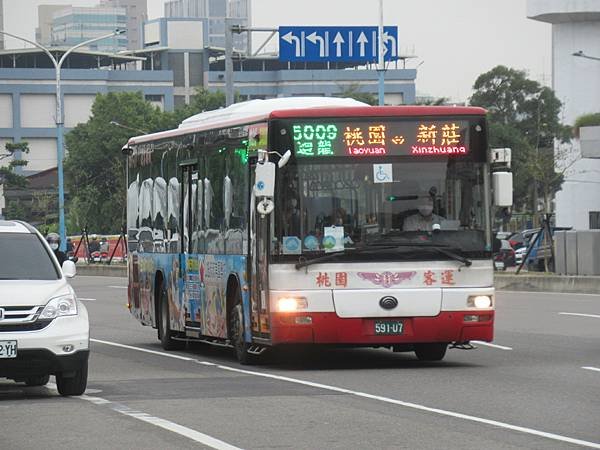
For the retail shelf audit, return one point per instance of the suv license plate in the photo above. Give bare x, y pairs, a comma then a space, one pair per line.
8, 349
389, 327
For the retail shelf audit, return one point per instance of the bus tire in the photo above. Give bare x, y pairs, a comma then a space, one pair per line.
431, 352
164, 325
236, 334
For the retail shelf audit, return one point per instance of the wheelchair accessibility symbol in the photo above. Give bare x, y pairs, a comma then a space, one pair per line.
382, 173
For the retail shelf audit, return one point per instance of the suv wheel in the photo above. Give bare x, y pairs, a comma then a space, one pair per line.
42, 380
75, 384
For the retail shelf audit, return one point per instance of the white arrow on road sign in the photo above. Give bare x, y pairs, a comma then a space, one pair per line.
387, 38
362, 40
289, 38
338, 40
314, 38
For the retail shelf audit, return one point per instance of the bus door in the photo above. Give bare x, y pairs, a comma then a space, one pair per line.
188, 266
259, 267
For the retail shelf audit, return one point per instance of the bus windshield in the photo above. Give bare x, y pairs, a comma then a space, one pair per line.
328, 206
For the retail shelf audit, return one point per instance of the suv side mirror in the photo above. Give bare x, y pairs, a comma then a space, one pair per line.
68, 268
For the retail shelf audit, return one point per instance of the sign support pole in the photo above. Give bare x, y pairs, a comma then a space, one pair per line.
381, 62
228, 63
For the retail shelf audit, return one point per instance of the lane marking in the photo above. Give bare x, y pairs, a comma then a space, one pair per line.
153, 352
596, 369
595, 316
189, 433
118, 287
547, 293
86, 299
487, 344
443, 412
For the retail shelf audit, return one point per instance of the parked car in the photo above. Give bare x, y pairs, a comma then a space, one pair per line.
522, 238
505, 257
44, 328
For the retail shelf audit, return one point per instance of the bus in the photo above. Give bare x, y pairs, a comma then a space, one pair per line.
315, 221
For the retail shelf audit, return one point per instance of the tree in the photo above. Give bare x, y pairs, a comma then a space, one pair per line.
14, 182
95, 167
524, 115
353, 91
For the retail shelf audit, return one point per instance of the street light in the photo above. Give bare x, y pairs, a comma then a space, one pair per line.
583, 55
59, 120
125, 127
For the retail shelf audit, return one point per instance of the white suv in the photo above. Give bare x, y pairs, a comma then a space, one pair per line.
44, 329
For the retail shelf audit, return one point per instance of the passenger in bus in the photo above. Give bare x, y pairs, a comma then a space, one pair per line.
425, 218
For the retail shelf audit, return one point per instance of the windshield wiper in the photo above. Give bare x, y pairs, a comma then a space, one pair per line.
328, 256
443, 249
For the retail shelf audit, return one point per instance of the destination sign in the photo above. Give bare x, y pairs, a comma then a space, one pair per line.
380, 138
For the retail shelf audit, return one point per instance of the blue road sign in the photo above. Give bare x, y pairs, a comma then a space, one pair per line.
349, 44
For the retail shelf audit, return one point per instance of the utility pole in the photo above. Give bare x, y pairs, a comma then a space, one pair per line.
228, 62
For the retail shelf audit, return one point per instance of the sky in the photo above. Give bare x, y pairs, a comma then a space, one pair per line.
454, 40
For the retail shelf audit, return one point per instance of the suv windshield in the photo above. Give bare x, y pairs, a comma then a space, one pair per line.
354, 204
24, 257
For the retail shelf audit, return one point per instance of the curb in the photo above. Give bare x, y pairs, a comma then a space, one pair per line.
102, 270
524, 283
548, 283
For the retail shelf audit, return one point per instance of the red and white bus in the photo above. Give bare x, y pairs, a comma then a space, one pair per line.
315, 221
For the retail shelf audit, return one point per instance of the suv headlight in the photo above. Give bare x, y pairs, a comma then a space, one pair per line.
64, 305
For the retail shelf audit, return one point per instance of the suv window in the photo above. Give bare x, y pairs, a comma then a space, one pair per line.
24, 257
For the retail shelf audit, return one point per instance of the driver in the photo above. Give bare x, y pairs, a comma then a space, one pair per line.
424, 219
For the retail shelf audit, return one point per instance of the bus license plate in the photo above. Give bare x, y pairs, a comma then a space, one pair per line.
8, 349
389, 327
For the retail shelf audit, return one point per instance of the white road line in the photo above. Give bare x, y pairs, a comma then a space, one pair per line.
547, 293
443, 412
154, 352
595, 316
596, 369
487, 344
118, 287
86, 299
189, 433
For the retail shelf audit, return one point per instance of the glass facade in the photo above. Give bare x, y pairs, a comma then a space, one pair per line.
72, 26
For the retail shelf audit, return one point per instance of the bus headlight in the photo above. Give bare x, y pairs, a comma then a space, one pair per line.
479, 301
291, 304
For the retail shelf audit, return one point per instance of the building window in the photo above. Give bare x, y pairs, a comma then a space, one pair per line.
594, 220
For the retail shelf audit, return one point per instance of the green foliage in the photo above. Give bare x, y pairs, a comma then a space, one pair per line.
12, 181
95, 167
353, 91
587, 120
523, 115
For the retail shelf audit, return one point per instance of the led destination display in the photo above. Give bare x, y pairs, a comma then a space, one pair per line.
380, 138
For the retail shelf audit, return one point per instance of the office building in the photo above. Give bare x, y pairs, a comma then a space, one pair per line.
43, 32
575, 27
73, 25
137, 13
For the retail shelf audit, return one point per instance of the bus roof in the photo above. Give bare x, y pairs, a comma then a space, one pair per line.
278, 108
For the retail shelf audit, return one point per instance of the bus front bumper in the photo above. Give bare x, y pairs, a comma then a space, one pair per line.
328, 328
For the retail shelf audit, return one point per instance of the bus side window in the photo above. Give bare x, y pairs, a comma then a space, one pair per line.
213, 191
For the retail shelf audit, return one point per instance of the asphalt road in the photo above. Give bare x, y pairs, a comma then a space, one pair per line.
538, 387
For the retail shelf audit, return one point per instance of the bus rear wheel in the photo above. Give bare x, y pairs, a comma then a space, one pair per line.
431, 352
164, 325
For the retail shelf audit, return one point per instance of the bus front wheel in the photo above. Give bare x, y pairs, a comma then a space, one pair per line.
240, 346
431, 352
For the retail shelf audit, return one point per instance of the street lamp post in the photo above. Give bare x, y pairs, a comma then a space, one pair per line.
583, 55
59, 120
